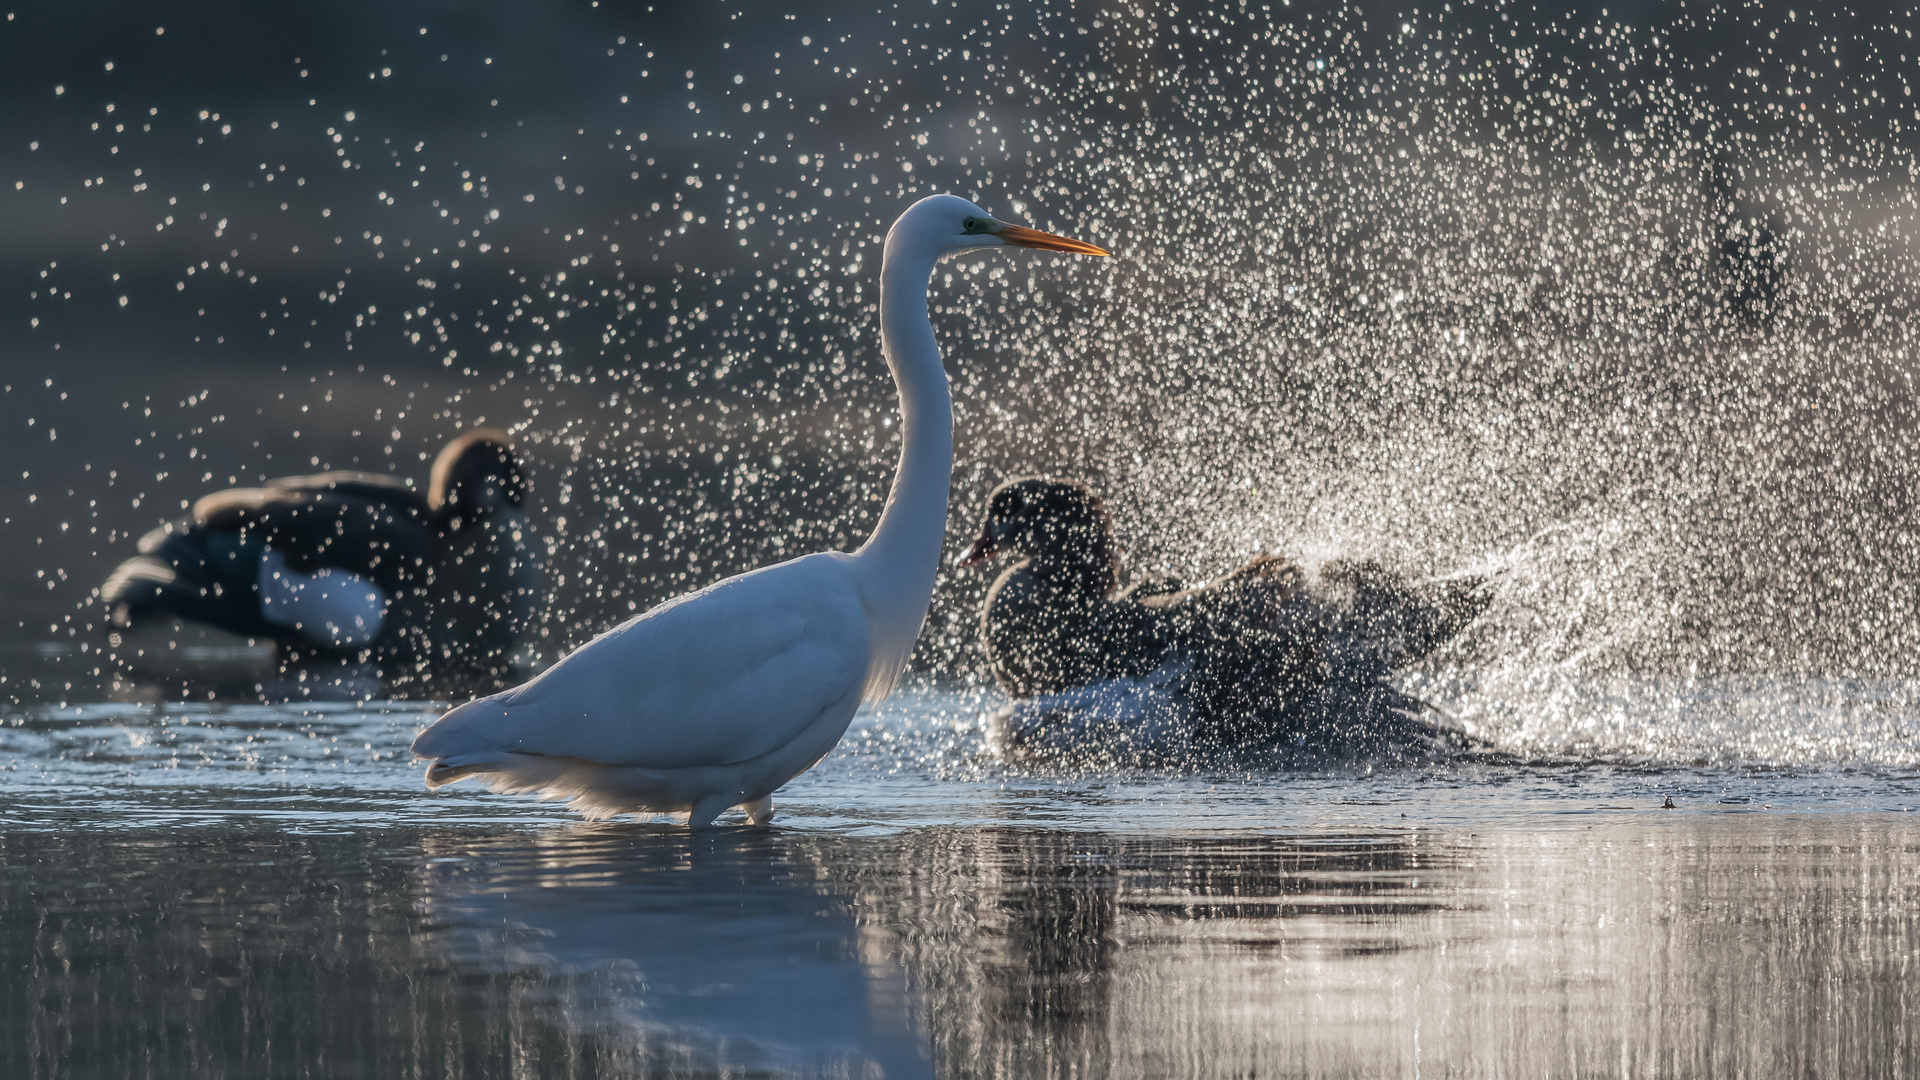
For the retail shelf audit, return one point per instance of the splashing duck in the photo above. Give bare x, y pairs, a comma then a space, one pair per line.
352, 564
1265, 651
718, 698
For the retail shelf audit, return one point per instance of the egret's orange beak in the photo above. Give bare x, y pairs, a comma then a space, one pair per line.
1019, 236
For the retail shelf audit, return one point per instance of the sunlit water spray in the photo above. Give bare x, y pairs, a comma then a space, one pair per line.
1641, 351
1617, 313
1638, 348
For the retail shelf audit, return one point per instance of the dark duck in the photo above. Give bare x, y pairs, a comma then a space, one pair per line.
354, 566
1266, 654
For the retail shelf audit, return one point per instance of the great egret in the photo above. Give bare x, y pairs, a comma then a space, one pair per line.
351, 563
1254, 650
719, 697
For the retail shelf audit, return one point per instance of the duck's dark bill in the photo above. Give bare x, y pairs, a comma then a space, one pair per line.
982, 550
1020, 236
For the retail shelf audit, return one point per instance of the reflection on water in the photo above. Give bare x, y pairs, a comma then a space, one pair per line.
1712, 947
252, 890
1685, 944
716, 950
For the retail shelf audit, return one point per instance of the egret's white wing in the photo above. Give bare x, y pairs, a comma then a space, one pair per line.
712, 678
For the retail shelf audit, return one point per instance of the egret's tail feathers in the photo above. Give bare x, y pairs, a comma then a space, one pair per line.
506, 772
473, 740
444, 771
457, 747
597, 791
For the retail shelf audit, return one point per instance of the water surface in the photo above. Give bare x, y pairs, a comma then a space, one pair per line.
261, 890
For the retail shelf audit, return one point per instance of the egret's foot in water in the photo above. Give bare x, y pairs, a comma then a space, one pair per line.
701, 814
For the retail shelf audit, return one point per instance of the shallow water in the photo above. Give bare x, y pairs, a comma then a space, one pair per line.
255, 890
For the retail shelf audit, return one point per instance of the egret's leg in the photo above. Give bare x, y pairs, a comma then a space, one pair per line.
759, 811
702, 813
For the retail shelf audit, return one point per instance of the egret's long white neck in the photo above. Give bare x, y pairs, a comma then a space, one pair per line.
899, 561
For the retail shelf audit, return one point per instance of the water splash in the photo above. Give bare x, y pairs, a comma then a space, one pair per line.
1617, 309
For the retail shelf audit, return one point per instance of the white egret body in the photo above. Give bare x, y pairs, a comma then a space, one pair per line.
719, 697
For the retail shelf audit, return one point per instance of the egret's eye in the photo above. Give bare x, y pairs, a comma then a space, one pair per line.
974, 225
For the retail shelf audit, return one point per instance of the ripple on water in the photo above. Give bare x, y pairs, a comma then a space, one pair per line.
923, 758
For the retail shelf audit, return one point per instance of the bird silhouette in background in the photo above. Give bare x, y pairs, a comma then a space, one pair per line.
354, 565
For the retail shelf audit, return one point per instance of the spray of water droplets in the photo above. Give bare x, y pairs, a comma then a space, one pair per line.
1616, 311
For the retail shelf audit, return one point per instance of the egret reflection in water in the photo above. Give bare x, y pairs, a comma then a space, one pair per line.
710, 952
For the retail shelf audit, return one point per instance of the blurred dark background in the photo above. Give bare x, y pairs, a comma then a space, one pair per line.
250, 240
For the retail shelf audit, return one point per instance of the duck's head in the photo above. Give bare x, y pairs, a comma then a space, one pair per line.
474, 473
1056, 523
